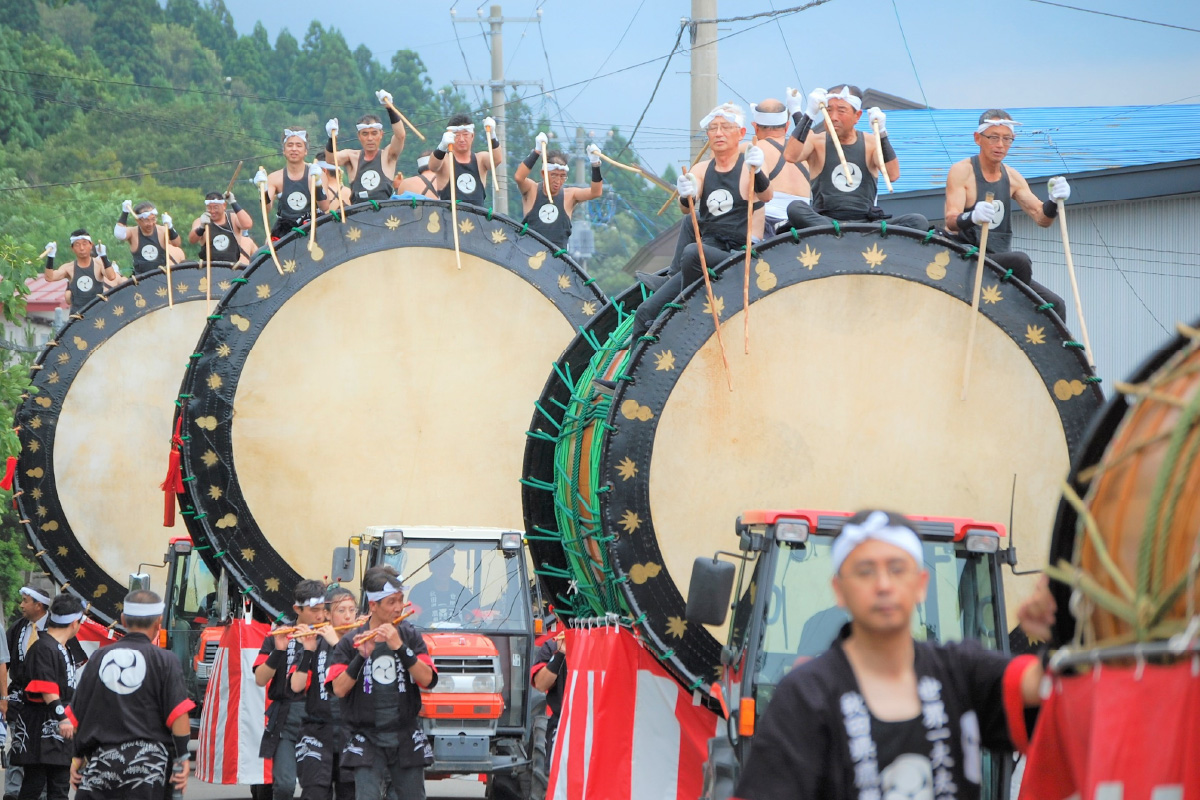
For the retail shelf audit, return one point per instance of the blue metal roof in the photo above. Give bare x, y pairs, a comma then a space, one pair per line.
1051, 141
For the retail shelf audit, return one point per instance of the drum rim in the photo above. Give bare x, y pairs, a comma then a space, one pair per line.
63, 567
392, 219
681, 655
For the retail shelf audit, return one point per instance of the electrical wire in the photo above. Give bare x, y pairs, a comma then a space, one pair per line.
788, 48
917, 75
654, 91
1117, 16
610, 54
136, 174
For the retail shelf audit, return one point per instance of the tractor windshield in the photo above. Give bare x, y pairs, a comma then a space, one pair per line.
467, 585
802, 616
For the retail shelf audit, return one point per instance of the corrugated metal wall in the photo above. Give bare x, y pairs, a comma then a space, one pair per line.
1138, 267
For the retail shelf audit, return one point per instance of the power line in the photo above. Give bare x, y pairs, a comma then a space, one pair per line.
1117, 16
775, 14
135, 174
788, 48
917, 75
657, 83
610, 54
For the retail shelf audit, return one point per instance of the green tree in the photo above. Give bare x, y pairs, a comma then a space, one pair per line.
123, 40
250, 61
185, 61
73, 24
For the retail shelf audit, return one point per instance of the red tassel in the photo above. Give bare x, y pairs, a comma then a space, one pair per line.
173, 484
10, 469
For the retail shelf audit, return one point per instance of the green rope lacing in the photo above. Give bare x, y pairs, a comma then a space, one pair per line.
1068, 343
928, 237
189, 478
837, 227
489, 214
883, 228
1045, 306
196, 355
524, 229
972, 251
1168, 485
676, 306
559, 253
1093, 379
216, 316
300, 231
335, 215
1007, 275
240, 280
372, 202
795, 234
414, 203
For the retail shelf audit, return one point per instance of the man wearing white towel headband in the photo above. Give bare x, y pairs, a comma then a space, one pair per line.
419, 186
132, 708
968, 184
470, 168
551, 216
35, 612
881, 715
789, 182
370, 169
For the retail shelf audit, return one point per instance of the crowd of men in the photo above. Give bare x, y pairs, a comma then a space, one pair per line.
826, 171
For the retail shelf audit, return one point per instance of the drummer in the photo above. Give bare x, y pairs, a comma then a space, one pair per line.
421, 185
789, 182
470, 168
290, 185
86, 275
228, 232
552, 217
968, 183
879, 714
150, 244
371, 169
719, 186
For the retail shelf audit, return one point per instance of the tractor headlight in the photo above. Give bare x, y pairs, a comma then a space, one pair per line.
982, 542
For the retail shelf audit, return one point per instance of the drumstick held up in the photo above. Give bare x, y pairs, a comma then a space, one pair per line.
746, 278
1066, 240
983, 237
882, 163
831, 135
262, 195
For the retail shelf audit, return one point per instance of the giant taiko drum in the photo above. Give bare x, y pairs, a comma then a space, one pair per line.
850, 397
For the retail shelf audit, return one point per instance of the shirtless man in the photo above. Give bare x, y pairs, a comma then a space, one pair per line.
420, 185
552, 218
470, 168
846, 198
150, 244
789, 182
85, 275
370, 169
291, 185
971, 179
228, 232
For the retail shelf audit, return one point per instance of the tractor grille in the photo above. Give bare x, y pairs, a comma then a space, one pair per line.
474, 665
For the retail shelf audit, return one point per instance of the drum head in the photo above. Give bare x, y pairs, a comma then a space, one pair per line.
373, 382
96, 434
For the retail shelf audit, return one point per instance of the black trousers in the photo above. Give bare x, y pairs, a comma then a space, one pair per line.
1022, 269
801, 215
55, 780
685, 271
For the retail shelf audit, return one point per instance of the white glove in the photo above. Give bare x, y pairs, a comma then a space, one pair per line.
541, 139
489, 124
795, 101
205, 219
166, 220
593, 153
127, 207
101, 251
260, 179
816, 99
1059, 188
754, 156
230, 199
384, 98
875, 114
52, 249
687, 185
331, 128
314, 171
984, 212
447, 141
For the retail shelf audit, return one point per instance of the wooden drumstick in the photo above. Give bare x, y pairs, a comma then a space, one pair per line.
262, 196
712, 303
675, 192
338, 174
167, 264
208, 267
831, 134
627, 167
983, 237
44, 253
546, 174
495, 191
1066, 240
312, 222
404, 119
454, 208
882, 163
236, 171
746, 278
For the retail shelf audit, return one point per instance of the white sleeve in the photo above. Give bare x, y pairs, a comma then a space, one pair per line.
119, 231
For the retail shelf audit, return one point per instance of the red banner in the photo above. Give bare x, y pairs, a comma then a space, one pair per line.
231, 725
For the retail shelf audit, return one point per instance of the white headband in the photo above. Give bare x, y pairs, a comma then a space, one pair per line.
289, 133
844, 94
35, 594
769, 118
217, 202
556, 168
312, 602
68, 619
458, 128
366, 126
83, 238
148, 213
388, 590
875, 527
729, 111
1011, 124
422, 163
327, 165
144, 609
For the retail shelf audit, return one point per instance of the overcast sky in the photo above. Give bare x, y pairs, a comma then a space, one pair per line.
1006, 53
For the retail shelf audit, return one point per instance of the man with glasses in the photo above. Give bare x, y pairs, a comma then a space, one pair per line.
880, 715
371, 170
969, 182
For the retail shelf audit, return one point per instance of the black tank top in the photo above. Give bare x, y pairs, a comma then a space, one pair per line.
84, 285
468, 182
224, 243
550, 219
369, 181
1000, 231
149, 254
831, 194
294, 203
430, 189
722, 210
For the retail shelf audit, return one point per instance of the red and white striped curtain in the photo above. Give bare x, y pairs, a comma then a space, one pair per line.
231, 725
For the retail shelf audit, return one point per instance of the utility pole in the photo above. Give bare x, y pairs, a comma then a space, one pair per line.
704, 65
497, 84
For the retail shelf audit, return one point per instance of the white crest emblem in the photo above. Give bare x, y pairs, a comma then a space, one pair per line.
466, 183
220, 241
85, 283
149, 252
909, 777
297, 201
383, 670
1000, 210
548, 213
719, 202
839, 178
370, 179
122, 670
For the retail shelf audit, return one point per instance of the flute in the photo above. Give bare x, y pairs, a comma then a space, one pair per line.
366, 636
314, 631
